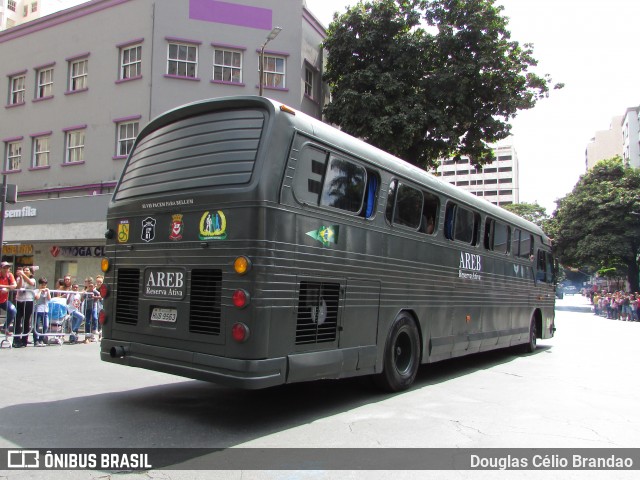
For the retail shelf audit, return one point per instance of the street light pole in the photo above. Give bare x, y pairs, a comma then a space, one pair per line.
273, 34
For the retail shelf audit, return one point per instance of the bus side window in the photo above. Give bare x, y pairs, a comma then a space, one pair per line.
404, 205
408, 208
391, 200
462, 224
515, 243
344, 185
309, 175
429, 213
545, 267
526, 246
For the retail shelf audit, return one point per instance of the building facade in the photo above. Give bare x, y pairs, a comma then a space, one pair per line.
605, 144
631, 138
17, 12
80, 83
497, 182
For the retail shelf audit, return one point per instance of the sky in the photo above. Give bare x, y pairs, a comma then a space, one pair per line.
589, 45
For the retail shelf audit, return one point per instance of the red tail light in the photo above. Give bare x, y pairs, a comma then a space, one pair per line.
240, 298
240, 332
102, 317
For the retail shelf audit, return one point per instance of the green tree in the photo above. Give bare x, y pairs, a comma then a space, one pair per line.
533, 212
597, 223
442, 91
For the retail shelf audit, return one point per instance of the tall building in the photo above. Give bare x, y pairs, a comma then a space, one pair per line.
79, 85
631, 138
605, 144
17, 12
497, 182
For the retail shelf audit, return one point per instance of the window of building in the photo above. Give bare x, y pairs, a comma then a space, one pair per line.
17, 85
14, 155
130, 62
41, 151
461, 224
44, 88
491, 181
182, 60
308, 82
505, 180
227, 65
34, 7
11, 5
505, 169
274, 71
490, 170
74, 147
78, 74
126, 133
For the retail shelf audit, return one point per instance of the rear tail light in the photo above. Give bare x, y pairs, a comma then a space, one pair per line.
102, 317
104, 290
240, 332
240, 298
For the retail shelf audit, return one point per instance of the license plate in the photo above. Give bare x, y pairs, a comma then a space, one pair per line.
159, 314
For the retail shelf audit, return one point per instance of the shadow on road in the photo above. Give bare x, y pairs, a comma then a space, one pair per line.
194, 414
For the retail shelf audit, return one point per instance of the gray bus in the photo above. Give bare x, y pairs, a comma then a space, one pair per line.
251, 245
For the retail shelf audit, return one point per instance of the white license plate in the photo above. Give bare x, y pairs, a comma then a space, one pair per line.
164, 314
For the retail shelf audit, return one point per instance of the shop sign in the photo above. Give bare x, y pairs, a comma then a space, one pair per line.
25, 211
17, 249
57, 251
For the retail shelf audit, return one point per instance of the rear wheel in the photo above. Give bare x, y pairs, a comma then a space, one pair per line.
401, 355
533, 337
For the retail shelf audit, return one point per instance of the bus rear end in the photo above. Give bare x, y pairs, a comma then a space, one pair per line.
183, 227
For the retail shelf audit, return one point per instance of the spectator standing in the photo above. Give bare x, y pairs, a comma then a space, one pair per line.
89, 310
7, 283
25, 284
41, 322
74, 302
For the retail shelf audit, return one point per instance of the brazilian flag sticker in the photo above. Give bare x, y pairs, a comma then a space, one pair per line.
325, 235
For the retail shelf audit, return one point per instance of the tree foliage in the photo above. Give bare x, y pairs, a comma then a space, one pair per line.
597, 223
423, 93
533, 212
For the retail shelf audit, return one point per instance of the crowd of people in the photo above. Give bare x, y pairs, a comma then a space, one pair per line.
30, 312
616, 305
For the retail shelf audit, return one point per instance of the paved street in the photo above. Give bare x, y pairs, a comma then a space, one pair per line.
580, 389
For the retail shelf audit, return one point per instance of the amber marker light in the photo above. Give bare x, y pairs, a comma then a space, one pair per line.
284, 108
104, 265
242, 265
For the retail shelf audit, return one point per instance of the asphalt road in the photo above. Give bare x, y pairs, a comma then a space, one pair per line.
578, 390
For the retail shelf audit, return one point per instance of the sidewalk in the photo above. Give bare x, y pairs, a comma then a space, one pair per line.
574, 303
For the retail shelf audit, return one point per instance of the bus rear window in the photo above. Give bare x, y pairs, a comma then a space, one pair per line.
204, 151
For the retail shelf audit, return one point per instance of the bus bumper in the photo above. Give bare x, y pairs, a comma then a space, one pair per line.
231, 372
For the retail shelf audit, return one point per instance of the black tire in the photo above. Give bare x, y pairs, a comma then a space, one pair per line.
401, 355
530, 347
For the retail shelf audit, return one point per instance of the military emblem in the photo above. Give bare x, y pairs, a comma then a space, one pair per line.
123, 231
177, 227
325, 235
213, 226
148, 229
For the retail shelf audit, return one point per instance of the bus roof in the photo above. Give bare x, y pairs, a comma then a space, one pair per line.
349, 144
